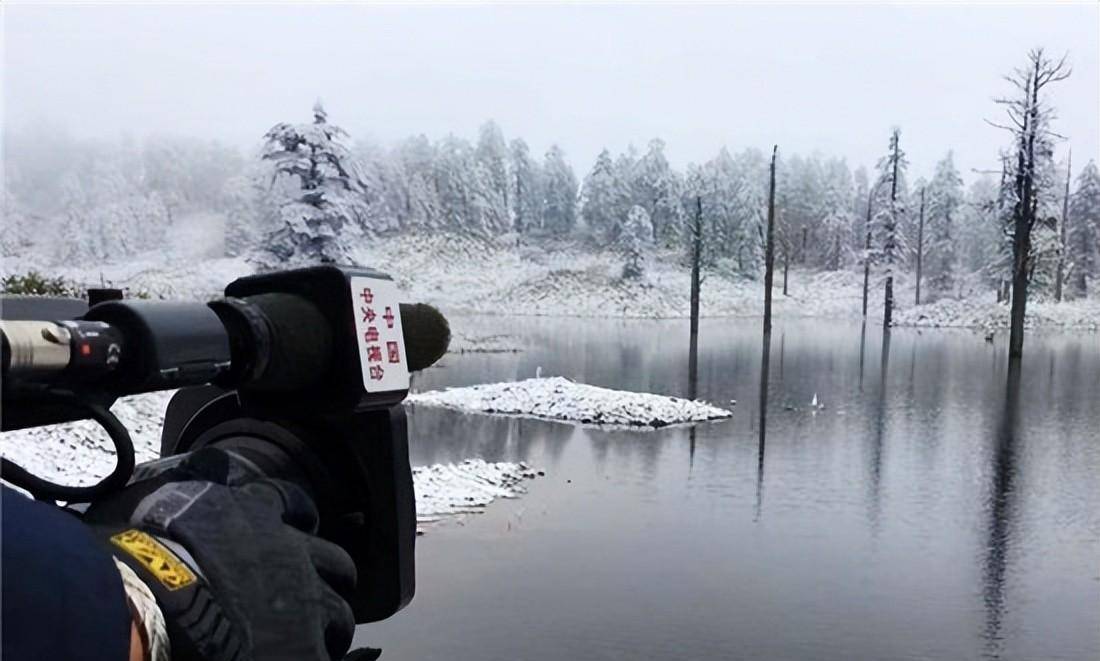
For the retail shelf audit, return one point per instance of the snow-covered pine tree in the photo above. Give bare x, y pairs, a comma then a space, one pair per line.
978, 232
486, 204
837, 222
252, 207
242, 218
626, 169
189, 174
559, 213
748, 222
720, 185
634, 233
944, 199
604, 199
526, 189
492, 154
860, 198
453, 170
467, 197
418, 200
15, 234
998, 265
1083, 232
317, 222
385, 189
105, 207
802, 181
656, 188
1046, 242
710, 191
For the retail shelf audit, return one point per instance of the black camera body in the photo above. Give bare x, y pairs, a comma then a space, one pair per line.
301, 373
354, 464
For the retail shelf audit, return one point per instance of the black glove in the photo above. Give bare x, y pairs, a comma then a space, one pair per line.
232, 561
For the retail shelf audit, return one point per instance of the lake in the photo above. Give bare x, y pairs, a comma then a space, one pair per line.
915, 516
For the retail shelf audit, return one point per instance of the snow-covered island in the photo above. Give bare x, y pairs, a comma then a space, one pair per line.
557, 398
467, 487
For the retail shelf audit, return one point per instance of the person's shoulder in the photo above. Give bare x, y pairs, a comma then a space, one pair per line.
62, 594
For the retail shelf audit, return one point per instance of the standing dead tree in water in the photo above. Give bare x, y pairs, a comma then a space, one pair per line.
891, 238
867, 246
769, 248
765, 355
920, 244
1030, 116
696, 267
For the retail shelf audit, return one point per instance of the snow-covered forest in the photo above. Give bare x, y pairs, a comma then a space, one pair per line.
309, 191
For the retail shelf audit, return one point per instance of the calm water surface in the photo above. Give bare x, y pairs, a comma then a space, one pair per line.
915, 517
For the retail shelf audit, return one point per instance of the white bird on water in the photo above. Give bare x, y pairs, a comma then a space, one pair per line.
814, 405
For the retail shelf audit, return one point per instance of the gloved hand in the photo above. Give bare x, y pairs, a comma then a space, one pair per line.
232, 561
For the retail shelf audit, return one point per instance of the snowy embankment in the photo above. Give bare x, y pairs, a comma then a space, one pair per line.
475, 275
481, 276
990, 315
464, 274
80, 453
556, 398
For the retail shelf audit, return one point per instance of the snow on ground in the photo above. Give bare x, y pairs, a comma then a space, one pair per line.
495, 343
80, 453
444, 489
990, 315
462, 274
469, 275
557, 398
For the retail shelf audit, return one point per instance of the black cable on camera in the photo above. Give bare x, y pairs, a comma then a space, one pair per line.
124, 464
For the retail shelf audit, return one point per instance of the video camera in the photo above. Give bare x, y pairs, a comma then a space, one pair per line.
300, 372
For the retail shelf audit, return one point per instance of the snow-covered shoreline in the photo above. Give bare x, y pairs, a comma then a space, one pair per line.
467, 275
989, 315
559, 399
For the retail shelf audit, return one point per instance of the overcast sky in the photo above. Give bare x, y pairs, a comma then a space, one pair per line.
827, 78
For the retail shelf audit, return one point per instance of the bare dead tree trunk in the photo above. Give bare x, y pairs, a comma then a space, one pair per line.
888, 298
786, 266
1021, 247
1060, 276
519, 203
765, 354
1028, 119
867, 250
696, 263
920, 243
769, 248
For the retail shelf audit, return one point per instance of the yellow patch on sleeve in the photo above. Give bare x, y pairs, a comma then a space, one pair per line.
155, 557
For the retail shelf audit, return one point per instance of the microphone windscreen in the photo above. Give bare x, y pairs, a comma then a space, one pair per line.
427, 334
300, 342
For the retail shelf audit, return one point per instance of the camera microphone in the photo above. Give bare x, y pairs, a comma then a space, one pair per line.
326, 336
